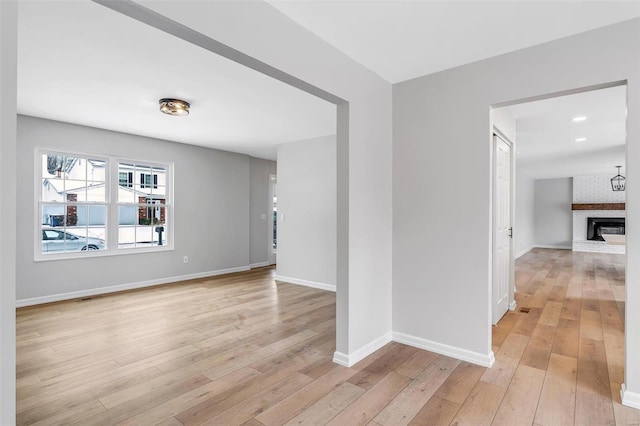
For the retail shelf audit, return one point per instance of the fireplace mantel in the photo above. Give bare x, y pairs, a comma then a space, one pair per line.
598, 206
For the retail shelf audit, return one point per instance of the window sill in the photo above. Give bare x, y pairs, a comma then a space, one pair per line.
103, 253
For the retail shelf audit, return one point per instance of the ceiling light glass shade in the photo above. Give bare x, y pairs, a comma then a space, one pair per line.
174, 106
618, 181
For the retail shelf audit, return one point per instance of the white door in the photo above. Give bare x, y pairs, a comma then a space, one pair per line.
502, 231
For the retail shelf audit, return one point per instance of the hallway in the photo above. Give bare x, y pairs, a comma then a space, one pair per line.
570, 345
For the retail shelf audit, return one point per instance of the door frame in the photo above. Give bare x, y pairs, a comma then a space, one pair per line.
271, 252
496, 133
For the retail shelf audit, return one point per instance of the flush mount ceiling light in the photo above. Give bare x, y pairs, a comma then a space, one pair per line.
618, 181
578, 118
581, 139
172, 106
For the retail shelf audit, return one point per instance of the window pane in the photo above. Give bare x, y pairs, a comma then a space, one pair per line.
125, 182
144, 236
96, 171
53, 215
160, 234
52, 189
126, 236
127, 215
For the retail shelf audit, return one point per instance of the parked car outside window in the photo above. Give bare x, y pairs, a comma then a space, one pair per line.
54, 240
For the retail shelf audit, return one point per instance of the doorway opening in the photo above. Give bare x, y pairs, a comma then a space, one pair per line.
568, 223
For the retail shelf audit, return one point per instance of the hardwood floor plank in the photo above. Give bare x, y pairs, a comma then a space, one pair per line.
567, 338
256, 404
372, 374
551, 314
591, 325
192, 398
416, 364
298, 401
594, 409
329, 406
460, 383
558, 396
481, 405
507, 360
367, 406
436, 411
520, 402
593, 376
539, 347
406, 405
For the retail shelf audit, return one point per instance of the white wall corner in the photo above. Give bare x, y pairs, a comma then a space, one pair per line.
484, 360
630, 399
348, 360
523, 252
306, 283
122, 287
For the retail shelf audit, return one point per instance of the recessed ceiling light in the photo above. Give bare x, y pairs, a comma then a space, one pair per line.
172, 106
581, 139
578, 118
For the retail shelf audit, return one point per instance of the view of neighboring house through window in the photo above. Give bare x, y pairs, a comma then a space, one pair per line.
142, 207
73, 204
79, 214
125, 179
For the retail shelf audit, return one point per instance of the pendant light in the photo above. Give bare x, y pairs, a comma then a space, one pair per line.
618, 182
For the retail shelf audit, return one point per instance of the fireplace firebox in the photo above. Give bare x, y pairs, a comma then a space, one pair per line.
596, 226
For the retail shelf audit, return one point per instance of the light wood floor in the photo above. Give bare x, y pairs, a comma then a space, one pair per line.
240, 349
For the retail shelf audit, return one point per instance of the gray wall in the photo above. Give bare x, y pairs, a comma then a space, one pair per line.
8, 83
363, 310
553, 214
524, 224
211, 199
307, 211
260, 205
442, 180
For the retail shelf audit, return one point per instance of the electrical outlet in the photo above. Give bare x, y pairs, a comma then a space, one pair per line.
186, 259
263, 216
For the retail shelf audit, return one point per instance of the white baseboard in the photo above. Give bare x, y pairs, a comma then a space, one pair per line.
259, 265
484, 360
121, 287
523, 252
313, 284
630, 399
557, 247
353, 358
512, 305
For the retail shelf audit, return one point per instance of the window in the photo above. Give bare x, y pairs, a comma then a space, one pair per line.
145, 180
142, 210
125, 179
78, 214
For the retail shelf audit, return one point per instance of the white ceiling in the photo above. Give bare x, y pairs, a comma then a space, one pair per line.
546, 134
108, 71
400, 40
82, 63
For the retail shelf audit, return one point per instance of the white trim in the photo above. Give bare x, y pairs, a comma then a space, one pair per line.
485, 360
341, 358
523, 252
630, 399
512, 305
353, 358
558, 247
259, 265
312, 284
121, 287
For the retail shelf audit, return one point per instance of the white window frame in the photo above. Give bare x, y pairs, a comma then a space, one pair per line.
112, 181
